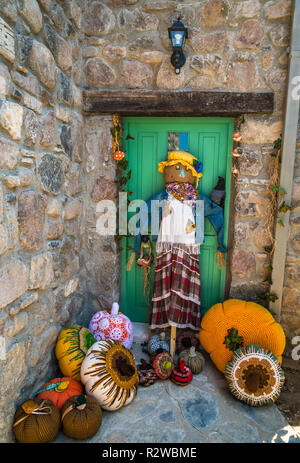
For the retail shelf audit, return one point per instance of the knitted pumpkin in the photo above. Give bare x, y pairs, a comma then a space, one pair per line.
81, 417
59, 390
158, 343
71, 347
146, 373
192, 359
36, 421
186, 339
254, 376
235, 323
163, 365
109, 374
181, 375
112, 325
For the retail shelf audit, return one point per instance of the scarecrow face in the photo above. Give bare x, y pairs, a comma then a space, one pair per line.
178, 173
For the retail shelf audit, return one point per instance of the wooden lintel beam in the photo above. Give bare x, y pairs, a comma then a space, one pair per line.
177, 103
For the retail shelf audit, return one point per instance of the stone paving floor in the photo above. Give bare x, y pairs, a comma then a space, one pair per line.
166, 413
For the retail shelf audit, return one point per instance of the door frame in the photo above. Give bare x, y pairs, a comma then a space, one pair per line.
229, 187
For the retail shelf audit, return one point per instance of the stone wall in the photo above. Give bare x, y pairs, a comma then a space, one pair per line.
41, 194
291, 292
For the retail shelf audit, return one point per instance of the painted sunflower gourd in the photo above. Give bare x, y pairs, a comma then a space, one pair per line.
254, 376
71, 347
109, 374
59, 390
36, 421
186, 339
81, 417
112, 325
192, 359
234, 324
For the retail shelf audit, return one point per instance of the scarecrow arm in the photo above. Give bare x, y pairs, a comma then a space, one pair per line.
157, 197
214, 213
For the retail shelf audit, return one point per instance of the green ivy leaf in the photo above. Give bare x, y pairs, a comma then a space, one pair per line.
280, 222
232, 340
268, 249
277, 143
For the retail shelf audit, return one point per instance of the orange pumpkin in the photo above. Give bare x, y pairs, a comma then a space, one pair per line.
59, 390
254, 325
119, 155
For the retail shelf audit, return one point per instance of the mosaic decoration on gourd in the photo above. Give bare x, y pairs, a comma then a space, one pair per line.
254, 376
236, 323
36, 421
81, 417
109, 374
59, 390
71, 347
158, 342
112, 325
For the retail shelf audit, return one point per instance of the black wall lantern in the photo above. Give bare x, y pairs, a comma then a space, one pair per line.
177, 35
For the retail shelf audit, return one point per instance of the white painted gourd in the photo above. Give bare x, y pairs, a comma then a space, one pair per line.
109, 374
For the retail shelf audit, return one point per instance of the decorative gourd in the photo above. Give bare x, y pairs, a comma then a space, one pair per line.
36, 421
81, 417
109, 374
158, 342
181, 375
235, 323
59, 390
71, 347
186, 339
192, 359
163, 365
112, 325
146, 374
254, 376
119, 155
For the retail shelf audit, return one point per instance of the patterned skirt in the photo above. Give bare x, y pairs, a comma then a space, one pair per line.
176, 295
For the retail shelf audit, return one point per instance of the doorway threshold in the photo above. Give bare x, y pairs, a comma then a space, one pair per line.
140, 332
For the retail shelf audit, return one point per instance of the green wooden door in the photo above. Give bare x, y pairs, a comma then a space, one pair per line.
210, 140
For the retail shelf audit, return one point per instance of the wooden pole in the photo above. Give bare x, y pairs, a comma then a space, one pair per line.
173, 341
288, 154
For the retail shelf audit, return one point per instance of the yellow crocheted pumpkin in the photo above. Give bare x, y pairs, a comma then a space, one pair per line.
71, 347
254, 325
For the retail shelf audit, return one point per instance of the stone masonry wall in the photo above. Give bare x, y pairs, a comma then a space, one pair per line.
41, 190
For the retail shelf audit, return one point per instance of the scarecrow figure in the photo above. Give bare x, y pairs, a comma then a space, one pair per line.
176, 295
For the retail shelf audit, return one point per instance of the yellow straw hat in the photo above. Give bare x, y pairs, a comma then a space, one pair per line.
185, 158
